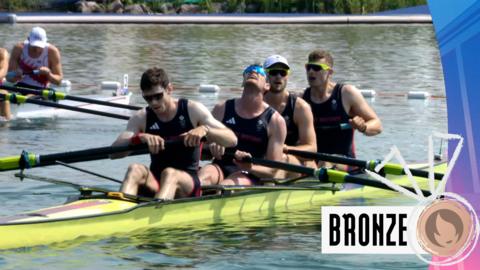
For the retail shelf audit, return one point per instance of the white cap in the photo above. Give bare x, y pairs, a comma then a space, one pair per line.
38, 37
275, 59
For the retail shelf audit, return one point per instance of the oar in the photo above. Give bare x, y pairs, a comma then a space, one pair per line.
341, 126
389, 168
11, 74
29, 160
263, 188
52, 94
19, 99
326, 175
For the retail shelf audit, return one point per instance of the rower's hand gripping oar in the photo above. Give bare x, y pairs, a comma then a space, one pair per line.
52, 94
326, 175
389, 168
19, 99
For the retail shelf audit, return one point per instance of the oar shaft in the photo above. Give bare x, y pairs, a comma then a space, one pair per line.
52, 94
77, 109
32, 160
27, 160
102, 102
389, 168
283, 166
325, 175
22, 99
90, 154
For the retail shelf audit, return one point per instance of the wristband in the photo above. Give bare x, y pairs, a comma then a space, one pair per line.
135, 140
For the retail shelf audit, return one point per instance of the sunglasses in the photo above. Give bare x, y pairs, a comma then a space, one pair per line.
156, 97
316, 66
275, 72
255, 68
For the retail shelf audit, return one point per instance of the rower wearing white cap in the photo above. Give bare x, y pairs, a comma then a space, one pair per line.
35, 62
296, 111
4, 104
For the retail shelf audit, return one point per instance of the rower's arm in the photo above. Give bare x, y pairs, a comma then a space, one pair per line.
135, 125
357, 107
55, 65
215, 130
13, 63
303, 118
277, 132
3, 63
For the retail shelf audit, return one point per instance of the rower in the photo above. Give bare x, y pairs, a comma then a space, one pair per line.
295, 111
261, 132
35, 63
4, 104
173, 168
334, 106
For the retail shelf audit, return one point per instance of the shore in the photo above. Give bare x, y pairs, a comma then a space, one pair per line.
12, 18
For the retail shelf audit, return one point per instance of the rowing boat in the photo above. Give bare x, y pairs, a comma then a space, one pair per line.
99, 213
22, 111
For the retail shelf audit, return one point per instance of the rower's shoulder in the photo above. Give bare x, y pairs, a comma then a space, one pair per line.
53, 50
220, 105
18, 46
301, 104
195, 106
351, 91
139, 114
3, 53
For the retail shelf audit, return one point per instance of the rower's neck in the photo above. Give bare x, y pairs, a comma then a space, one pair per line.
170, 112
250, 104
277, 100
322, 92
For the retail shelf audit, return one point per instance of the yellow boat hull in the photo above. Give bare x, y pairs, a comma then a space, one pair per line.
108, 216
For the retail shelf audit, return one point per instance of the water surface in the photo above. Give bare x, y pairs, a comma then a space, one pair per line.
390, 59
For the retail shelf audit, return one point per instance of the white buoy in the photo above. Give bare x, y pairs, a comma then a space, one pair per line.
110, 85
12, 18
418, 95
368, 93
208, 88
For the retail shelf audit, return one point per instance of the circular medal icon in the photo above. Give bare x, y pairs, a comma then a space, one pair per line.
445, 227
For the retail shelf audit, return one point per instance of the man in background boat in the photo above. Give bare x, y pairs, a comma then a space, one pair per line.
295, 111
338, 109
4, 104
261, 132
35, 63
173, 168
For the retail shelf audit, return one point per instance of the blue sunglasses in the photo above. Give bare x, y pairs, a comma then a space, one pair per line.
255, 68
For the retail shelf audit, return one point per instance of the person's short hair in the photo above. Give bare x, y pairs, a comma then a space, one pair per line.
154, 77
317, 55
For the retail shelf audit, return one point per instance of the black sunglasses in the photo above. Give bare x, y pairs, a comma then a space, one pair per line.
150, 98
314, 67
275, 72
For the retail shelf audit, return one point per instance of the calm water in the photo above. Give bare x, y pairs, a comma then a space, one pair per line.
390, 59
